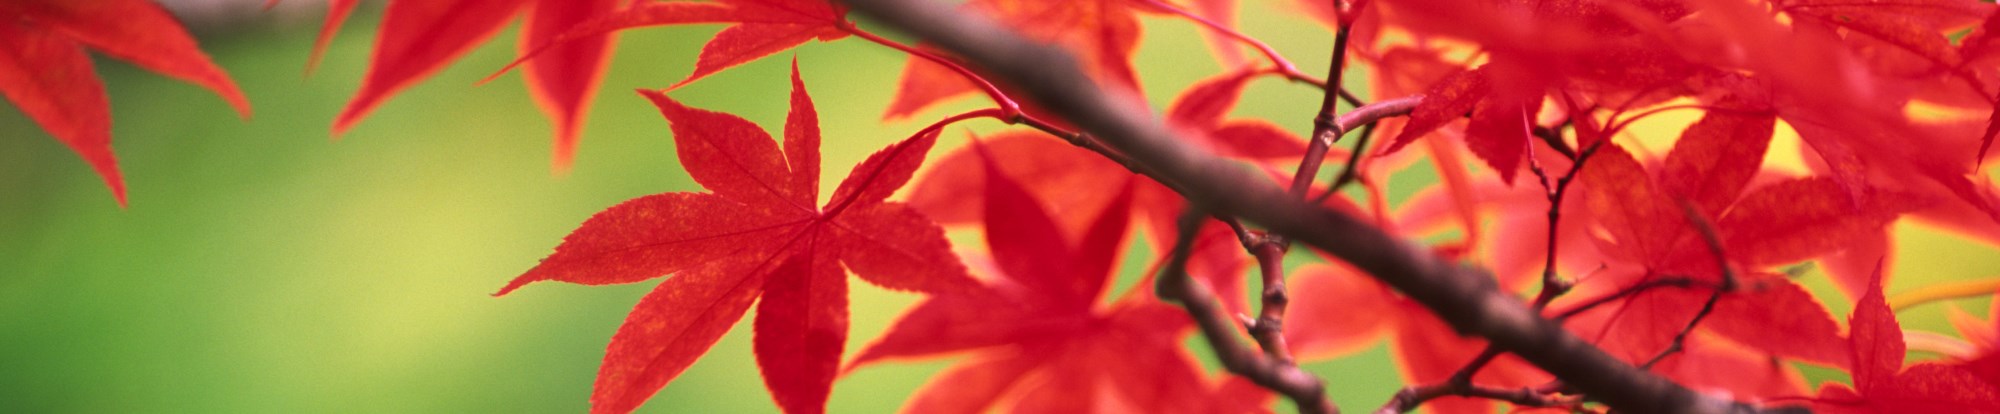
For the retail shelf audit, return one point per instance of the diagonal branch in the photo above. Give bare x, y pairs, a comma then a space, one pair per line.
1273, 372
1468, 299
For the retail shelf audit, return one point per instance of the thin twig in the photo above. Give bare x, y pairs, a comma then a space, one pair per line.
1269, 328
1728, 283
1006, 103
1352, 170
1325, 131
1174, 284
1364, 117
1281, 65
1629, 291
1409, 398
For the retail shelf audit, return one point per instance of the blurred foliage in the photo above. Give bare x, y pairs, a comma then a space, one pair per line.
263, 267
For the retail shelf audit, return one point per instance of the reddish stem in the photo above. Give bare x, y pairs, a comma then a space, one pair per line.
1325, 130
1007, 104
1282, 66
1269, 328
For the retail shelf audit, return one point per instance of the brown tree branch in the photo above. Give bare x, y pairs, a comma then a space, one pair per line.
1469, 299
1542, 396
1269, 327
1325, 131
1304, 389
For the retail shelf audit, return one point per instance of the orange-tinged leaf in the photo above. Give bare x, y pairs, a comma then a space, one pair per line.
970, 387
1204, 109
1344, 314
977, 319
1222, 12
565, 78
923, 84
952, 190
1205, 103
756, 234
1102, 34
1260, 140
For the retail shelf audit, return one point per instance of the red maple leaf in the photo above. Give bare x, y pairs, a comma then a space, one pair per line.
1102, 33
757, 233
757, 28
1882, 385
1985, 338
1078, 184
1039, 317
45, 73
1349, 311
1646, 235
419, 37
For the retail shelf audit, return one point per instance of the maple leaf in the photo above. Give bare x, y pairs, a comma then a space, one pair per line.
1076, 182
1101, 33
1079, 184
1449, 99
757, 28
1648, 237
1038, 317
1349, 311
1501, 101
1883, 385
45, 73
419, 37
756, 233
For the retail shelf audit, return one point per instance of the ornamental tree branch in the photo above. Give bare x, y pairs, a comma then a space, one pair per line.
1469, 299
1409, 398
1325, 131
1274, 373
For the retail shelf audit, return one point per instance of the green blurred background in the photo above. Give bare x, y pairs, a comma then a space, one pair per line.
263, 267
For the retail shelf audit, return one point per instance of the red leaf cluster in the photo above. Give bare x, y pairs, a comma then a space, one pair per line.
756, 234
45, 73
1677, 263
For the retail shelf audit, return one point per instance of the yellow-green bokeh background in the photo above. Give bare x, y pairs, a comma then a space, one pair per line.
262, 267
